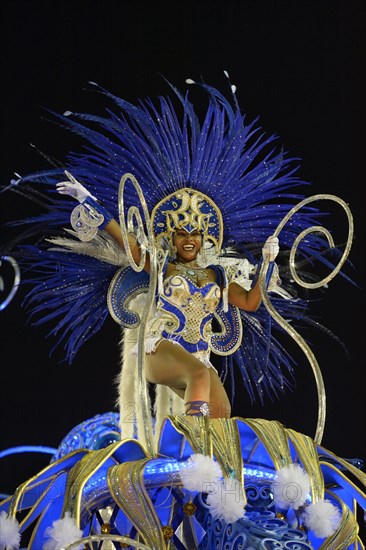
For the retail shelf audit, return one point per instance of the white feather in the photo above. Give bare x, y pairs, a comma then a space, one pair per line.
128, 378
102, 246
227, 501
201, 471
166, 403
9, 532
63, 532
189, 81
291, 487
322, 518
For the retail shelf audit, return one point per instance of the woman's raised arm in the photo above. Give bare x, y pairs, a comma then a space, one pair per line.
75, 189
250, 300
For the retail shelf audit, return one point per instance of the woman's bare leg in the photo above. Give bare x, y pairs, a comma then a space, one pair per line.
173, 366
188, 377
219, 402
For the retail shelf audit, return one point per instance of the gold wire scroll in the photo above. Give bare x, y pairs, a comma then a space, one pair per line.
280, 320
133, 212
131, 543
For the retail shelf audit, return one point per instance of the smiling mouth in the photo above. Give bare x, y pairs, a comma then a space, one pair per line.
188, 247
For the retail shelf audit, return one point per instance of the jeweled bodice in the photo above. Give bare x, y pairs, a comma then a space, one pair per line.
184, 312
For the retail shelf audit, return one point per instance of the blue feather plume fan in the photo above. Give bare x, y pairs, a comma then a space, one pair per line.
166, 146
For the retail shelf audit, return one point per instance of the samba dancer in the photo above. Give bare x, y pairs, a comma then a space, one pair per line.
193, 292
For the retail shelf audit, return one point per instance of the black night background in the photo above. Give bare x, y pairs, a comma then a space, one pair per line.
298, 65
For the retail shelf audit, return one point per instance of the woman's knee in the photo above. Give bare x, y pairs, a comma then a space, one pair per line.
199, 374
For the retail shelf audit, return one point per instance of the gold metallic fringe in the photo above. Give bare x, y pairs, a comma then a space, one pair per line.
81, 473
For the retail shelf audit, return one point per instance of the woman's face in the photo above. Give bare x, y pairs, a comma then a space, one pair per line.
188, 244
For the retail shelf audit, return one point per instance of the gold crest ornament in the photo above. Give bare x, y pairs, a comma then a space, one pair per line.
190, 210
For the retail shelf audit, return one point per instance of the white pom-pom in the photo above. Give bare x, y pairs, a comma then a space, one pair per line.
202, 474
227, 501
322, 518
190, 81
63, 532
67, 113
291, 487
9, 532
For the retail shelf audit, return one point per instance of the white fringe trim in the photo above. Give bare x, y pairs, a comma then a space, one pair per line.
166, 401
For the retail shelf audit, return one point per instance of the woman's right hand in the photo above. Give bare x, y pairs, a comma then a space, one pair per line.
73, 188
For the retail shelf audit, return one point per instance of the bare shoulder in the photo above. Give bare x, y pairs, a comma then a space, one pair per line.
170, 269
211, 274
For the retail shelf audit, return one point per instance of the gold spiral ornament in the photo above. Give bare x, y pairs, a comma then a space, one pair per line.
280, 320
133, 214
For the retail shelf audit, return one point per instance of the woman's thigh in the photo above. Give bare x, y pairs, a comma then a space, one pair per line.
172, 365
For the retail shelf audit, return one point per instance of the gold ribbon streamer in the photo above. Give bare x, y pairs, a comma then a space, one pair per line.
280, 320
324, 453
273, 436
197, 430
344, 483
347, 531
227, 447
80, 474
128, 490
307, 454
54, 469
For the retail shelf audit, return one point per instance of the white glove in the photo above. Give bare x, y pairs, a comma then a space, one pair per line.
73, 188
270, 249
